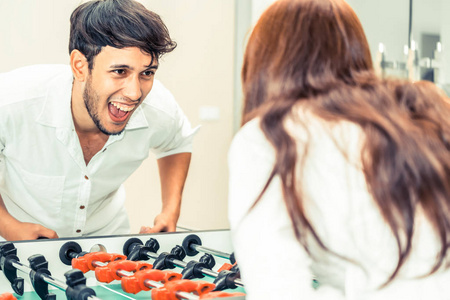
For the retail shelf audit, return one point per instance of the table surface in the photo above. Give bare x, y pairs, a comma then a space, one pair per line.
109, 291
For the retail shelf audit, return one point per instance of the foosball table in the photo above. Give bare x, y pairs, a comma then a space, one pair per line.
163, 266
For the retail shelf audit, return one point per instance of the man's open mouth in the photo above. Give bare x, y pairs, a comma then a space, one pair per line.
119, 111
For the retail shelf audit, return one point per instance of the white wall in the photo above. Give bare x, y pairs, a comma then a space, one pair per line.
199, 73
445, 39
384, 21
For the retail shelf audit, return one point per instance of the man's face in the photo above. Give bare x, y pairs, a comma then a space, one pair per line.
117, 84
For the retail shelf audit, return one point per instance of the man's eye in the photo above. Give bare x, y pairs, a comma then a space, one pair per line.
148, 73
119, 71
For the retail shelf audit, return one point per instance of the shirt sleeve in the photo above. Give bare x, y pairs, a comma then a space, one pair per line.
178, 132
2, 160
272, 262
179, 140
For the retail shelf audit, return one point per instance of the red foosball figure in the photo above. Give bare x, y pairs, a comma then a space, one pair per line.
7, 296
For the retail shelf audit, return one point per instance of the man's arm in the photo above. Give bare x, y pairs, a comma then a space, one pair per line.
13, 230
173, 171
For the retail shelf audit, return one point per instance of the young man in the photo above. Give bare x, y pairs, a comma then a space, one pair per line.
69, 137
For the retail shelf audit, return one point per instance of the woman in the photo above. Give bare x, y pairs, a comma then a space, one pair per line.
336, 175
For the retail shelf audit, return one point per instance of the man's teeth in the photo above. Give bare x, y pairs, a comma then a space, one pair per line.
123, 107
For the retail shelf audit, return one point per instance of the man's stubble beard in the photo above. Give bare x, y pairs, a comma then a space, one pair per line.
91, 100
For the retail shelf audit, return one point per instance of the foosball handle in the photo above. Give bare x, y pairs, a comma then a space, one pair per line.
179, 252
8, 254
39, 266
163, 262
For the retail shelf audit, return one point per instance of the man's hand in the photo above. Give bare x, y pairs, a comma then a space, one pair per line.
12, 229
173, 170
164, 222
28, 231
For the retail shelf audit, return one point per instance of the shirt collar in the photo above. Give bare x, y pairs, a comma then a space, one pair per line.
56, 111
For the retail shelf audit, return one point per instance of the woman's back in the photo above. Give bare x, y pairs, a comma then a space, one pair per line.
340, 208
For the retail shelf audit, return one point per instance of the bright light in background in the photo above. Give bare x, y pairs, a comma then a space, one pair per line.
405, 49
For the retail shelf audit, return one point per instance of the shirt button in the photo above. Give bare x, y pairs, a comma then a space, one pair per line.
78, 230
82, 207
85, 177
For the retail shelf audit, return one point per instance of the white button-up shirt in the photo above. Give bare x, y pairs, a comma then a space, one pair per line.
43, 176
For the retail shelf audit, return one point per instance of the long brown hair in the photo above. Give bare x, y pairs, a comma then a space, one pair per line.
315, 52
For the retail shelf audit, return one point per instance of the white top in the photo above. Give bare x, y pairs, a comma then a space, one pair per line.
275, 266
43, 176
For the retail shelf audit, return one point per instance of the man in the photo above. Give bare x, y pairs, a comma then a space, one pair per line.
69, 137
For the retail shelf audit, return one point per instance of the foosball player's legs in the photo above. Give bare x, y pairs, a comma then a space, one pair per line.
209, 260
8, 256
226, 280
39, 267
230, 267
7, 296
116, 270
170, 260
195, 269
76, 286
135, 250
170, 290
139, 281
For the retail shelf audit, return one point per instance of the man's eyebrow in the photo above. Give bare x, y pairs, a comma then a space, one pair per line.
121, 67
152, 67
131, 68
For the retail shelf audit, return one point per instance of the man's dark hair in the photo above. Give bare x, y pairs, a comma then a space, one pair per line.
119, 24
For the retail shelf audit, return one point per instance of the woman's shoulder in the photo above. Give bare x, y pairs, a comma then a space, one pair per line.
251, 137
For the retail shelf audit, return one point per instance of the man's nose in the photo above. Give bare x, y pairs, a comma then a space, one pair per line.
132, 89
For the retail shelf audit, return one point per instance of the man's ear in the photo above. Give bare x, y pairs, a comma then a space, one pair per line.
79, 65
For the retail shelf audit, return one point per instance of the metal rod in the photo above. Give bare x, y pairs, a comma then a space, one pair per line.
151, 254
47, 278
210, 251
188, 296
238, 282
